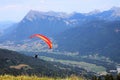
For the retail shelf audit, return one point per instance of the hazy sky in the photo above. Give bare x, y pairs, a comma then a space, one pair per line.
15, 10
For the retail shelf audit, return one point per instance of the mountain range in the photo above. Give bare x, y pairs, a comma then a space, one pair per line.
88, 33
95, 37
5, 25
53, 23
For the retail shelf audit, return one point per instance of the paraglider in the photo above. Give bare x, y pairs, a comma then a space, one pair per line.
44, 38
36, 56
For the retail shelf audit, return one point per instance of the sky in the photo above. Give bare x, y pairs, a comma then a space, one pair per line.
15, 10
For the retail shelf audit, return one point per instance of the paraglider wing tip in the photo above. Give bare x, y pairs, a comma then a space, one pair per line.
32, 36
50, 48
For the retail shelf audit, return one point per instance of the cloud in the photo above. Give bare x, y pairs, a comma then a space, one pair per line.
42, 1
15, 6
10, 7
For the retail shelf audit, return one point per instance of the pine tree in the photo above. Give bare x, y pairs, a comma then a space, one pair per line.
94, 78
109, 77
118, 76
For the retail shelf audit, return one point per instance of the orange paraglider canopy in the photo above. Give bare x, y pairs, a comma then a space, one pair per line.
44, 38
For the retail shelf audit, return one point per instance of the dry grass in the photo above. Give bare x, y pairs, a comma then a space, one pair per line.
22, 77
20, 66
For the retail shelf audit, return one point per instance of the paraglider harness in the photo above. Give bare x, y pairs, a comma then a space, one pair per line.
36, 56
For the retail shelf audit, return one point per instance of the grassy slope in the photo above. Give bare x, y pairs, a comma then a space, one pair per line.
22, 77
14, 63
